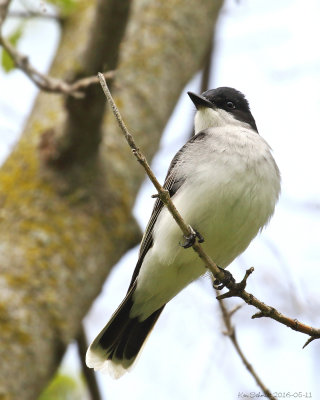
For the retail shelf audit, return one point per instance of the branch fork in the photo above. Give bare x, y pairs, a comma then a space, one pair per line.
225, 277
44, 82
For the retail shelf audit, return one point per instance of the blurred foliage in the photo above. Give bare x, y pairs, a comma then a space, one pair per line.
65, 6
7, 62
62, 387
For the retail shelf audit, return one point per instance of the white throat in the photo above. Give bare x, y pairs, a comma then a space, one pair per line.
210, 118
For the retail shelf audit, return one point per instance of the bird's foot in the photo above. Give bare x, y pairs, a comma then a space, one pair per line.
235, 289
190, 240
228, 278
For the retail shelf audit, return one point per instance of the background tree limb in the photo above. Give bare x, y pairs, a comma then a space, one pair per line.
231, 333
64, 225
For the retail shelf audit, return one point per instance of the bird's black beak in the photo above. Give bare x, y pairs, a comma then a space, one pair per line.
200, 101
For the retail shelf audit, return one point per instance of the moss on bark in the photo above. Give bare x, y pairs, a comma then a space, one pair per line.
62, 229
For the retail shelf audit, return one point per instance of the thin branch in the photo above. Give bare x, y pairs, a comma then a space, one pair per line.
205, 77
235, 289
235, 309
84, 83
231, 333
34, 14
268, 311
4, 5
87, 372
207, 68
163, 193
42, 81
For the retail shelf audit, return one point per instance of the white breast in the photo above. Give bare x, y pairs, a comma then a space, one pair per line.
231, 186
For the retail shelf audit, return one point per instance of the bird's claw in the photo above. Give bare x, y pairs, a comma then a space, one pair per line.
228, 278
190, 240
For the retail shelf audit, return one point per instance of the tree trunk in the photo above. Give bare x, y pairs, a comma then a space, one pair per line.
67, 190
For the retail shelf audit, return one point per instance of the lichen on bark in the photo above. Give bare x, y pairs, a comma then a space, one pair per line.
63, 228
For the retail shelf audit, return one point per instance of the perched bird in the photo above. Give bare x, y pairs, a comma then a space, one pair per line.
225, 183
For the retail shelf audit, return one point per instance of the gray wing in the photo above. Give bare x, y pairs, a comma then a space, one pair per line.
172, 184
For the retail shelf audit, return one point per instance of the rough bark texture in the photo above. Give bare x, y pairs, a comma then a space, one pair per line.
64, 225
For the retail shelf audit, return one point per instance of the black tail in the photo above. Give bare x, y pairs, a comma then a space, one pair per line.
118, 344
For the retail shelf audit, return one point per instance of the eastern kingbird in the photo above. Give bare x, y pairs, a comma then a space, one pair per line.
225, 183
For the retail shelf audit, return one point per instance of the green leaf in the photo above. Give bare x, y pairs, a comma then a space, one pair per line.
7, 62
65, 6
62, 387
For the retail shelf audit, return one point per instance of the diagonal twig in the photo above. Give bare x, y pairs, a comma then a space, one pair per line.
34, 14
4, 6
231, 333
42, 81
88, 373
163, 193
235, 289
48, 83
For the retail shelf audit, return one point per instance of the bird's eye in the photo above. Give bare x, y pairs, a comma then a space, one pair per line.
230, 105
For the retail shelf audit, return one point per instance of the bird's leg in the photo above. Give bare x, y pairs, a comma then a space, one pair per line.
190, 240
200, 237
228, 278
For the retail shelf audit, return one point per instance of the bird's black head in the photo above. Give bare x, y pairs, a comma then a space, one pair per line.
228, 99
